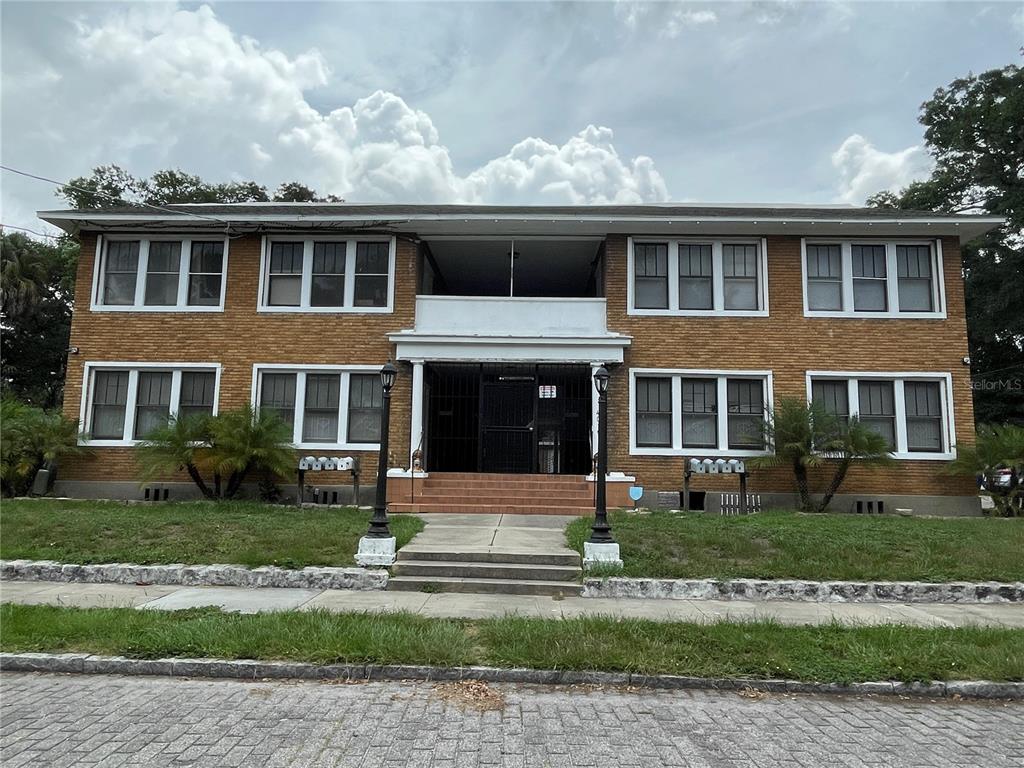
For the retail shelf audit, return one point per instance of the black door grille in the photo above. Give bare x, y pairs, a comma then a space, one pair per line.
508, 418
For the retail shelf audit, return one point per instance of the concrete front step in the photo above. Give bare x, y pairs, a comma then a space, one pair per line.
420, 554
483, 586
516, 485
473, 496
501, 476
474, 570
491, 509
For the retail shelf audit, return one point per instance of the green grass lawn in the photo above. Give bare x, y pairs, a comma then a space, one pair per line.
787, 545
246, 533
829, 653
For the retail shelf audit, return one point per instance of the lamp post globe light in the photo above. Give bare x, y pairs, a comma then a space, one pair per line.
601, 548
377, 547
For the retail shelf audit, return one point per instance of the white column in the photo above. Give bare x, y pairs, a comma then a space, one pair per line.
594, 411
416, 427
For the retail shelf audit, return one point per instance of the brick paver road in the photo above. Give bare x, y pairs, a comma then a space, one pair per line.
60, 720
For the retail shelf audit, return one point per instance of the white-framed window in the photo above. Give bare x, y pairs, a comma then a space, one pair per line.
123, 402
684, 412
873, 278
159, 273
327, 274
697, 276
913, 411
327, 406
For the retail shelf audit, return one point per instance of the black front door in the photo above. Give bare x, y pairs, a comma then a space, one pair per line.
507, 409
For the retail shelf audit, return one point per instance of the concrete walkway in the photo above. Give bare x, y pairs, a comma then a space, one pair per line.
492, 534
474, 606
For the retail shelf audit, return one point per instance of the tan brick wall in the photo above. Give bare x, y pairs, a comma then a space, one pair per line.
786, 342
236, 338
789, 344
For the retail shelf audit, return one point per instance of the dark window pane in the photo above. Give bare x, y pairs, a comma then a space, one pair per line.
833, 396
320, 422
204, 290
745, 413
110, 394
152, 402
824, 277
197, 394
924, 415
119, 273
207, 257
700, 420
205, 273
654, 412
372, 258
164, 257
371, 291
162, 272
286, 258
878, 408
365, 399
914, 273
650, 270
277, 395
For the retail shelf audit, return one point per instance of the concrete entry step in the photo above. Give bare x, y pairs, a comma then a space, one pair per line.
461, 569
476, 496
422, 554
483, 586
490, 509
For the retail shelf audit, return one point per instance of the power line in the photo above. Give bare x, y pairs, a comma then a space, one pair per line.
63, 185
26, 229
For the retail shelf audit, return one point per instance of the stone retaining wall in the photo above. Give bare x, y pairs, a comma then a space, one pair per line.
805, 591
195, 575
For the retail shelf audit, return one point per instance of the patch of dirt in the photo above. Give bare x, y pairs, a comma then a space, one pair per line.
471, 694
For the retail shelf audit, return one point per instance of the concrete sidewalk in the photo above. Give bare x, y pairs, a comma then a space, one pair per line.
475, 606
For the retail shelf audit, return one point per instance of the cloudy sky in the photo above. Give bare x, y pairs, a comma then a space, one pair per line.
512, 102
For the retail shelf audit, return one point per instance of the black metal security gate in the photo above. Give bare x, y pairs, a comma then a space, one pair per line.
508, 418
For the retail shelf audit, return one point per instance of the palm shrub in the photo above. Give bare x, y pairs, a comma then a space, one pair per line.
30, 438
805, 436
227, 448
995, 448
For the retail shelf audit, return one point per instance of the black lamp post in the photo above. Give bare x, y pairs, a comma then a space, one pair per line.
600, 531
379, 522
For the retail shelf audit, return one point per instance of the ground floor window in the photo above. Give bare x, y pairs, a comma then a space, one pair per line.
124, 402
690, 412
325, 406
910, 410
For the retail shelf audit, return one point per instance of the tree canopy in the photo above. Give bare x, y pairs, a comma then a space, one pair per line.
974, 129
110, 185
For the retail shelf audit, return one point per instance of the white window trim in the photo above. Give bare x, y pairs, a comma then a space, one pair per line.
717, 278
134, 368
892, 278
307, 274
899, 378
300, 396
677, 374
99, 266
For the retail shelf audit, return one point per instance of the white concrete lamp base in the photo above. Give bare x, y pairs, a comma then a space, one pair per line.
601, 555
376, 552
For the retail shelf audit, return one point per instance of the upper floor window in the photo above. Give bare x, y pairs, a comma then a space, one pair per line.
124, 402
327, 275
324, 405
698, 413
159, 274
698, 277
850, 278
911, 411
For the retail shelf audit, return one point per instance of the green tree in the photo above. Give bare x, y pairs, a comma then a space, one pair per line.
805, 436
230, 447
995, 448
974, 129
38, 287
29, 439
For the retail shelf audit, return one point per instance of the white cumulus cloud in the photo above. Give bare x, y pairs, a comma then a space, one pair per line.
864, 169
193, 89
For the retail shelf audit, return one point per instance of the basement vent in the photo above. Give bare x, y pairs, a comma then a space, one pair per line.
668, 500
870, 507
156, 493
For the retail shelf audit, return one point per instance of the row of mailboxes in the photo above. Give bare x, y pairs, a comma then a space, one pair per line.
717, 466
328, 464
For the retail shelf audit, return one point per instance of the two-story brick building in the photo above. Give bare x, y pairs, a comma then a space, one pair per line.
498, 315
